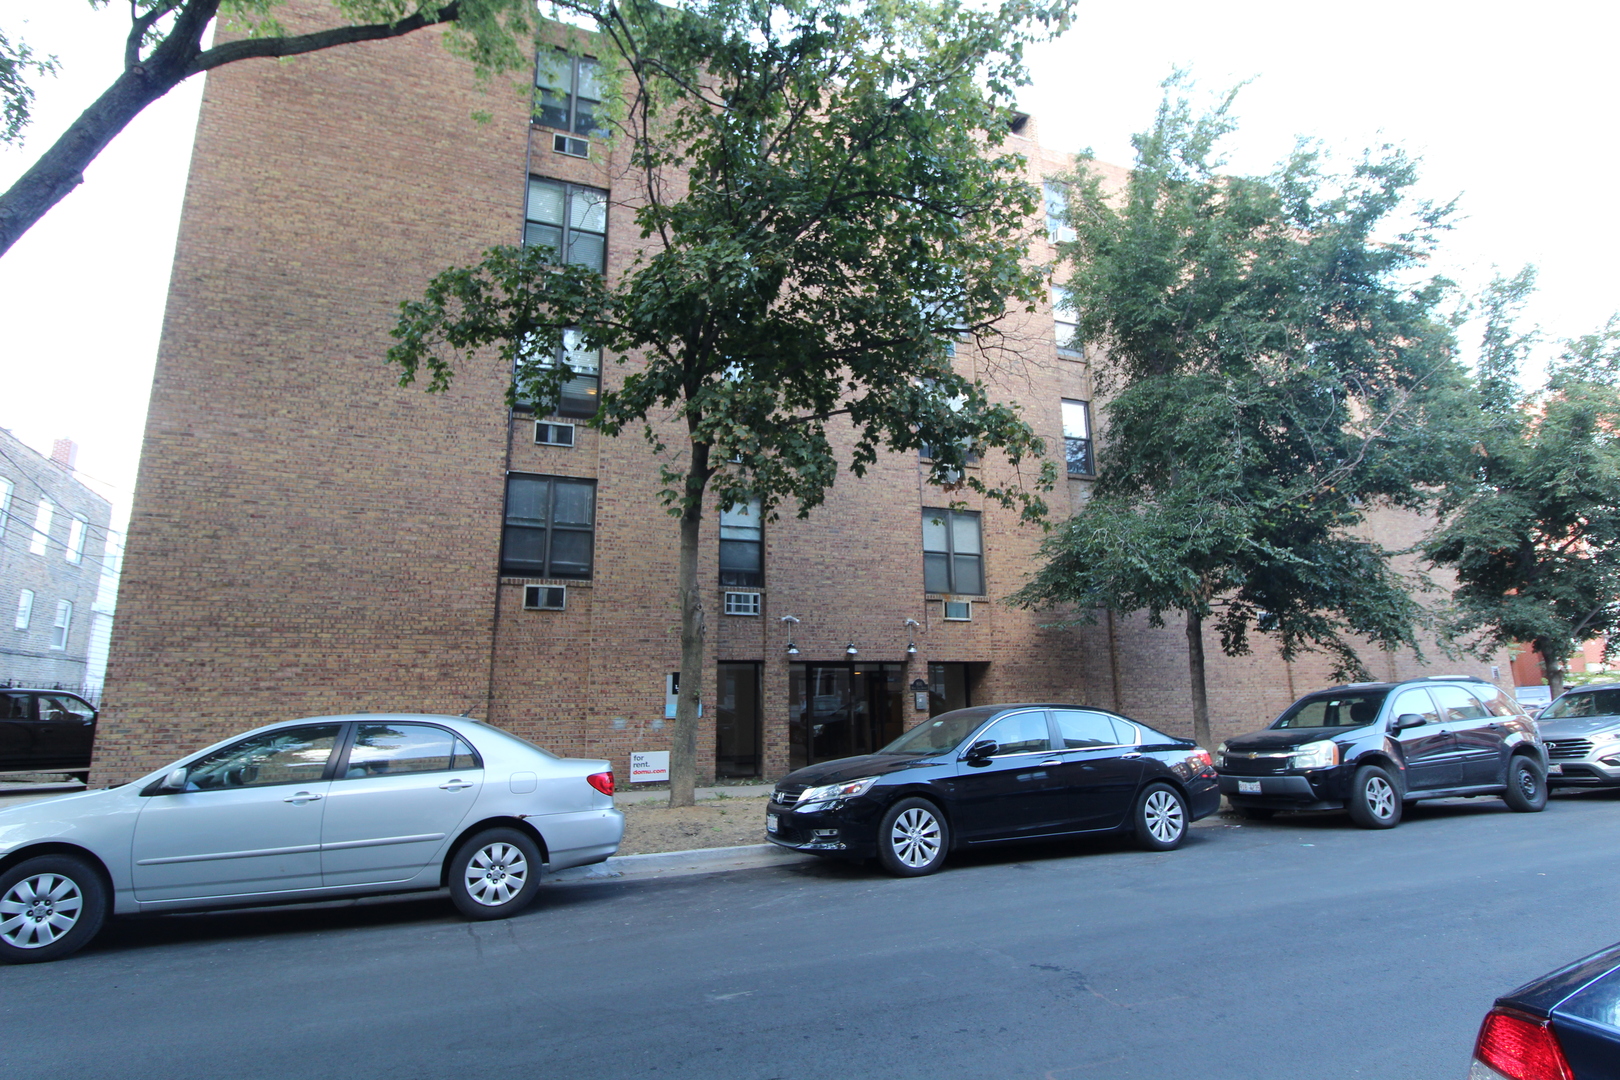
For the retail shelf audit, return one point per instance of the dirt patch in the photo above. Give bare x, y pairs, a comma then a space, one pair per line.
654, 826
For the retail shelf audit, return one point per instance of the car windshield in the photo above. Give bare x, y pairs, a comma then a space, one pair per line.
1585, 703
940, 734
1352, 708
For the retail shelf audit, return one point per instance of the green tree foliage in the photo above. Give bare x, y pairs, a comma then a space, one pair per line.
164, 48
1276, 369
1533, 534
827, 213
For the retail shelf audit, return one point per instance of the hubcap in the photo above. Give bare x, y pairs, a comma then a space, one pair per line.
1164, 818
1380, 797
496, 873
915, 838
1527, 782
38, 910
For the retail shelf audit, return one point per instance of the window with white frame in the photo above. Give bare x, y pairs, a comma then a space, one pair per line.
953, 555
6, 488
1058, 230
75, 545
42, 527
1065, 323
64, 621
742, 545
25, 608
570, 92
1077, 437
569, 219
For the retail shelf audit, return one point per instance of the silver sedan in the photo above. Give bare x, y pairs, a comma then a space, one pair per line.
310, 809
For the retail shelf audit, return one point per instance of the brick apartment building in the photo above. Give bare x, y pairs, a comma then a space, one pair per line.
53, 532
309, 538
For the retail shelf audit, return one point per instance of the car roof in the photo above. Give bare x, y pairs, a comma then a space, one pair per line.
1417, 680
1590, 686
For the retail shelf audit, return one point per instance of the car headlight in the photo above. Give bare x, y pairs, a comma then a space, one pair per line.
1315, 755
846, 790
1221, 749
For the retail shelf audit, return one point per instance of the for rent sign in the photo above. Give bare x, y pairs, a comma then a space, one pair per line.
647, 766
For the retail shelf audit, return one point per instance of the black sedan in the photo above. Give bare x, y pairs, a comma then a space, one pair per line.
1562, 1026
992, 774
46, 731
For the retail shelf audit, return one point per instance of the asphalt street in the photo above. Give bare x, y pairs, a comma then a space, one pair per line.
1295, 949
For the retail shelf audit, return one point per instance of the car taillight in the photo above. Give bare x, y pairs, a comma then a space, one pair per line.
602, 781
1200, 759
1520, 1047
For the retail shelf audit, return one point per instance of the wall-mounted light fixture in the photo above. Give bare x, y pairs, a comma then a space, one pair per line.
911, 636
792, 621
850, 649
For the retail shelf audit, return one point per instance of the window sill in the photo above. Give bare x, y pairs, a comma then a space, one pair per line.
572, 583
953, 597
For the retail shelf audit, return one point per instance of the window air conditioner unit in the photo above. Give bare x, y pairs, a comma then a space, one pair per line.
958, 611
742, 603
567, 144
548, 433
545, 597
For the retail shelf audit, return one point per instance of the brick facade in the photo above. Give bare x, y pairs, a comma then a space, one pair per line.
309, 538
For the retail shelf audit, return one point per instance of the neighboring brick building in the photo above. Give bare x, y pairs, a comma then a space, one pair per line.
308, 538
53, 531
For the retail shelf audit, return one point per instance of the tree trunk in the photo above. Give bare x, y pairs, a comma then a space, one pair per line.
683, 740
1195, 669
1551, 666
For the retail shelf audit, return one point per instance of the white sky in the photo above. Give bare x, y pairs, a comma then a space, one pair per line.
1511, 107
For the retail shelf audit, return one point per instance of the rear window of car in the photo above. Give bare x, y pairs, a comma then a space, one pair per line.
1353, 708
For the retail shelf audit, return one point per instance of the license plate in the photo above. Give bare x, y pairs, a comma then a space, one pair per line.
770, 823
1248, 787
1555, 770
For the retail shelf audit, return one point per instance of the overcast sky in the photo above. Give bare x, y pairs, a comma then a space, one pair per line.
1511, 107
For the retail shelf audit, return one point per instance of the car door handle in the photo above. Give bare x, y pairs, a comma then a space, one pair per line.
1053, 761
455, 785
301, 798
1132, 754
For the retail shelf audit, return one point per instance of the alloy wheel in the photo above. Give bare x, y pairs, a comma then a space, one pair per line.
1164, 817
37, 911
496, 873
915, 837
1380, 797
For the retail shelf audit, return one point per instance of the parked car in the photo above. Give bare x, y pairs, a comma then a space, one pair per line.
46, 731
1372, 748
1582, 733
305, 810
1562, 1026
995, 773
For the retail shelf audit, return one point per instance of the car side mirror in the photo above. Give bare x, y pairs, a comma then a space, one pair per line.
1409, 720
980, 750
175, 781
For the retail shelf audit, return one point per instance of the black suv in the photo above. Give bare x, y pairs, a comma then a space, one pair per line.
1372, 747
46, 731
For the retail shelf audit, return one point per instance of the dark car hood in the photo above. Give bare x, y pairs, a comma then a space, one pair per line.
853, 768
1284, 738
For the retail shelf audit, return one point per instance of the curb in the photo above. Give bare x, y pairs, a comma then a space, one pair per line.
681, 863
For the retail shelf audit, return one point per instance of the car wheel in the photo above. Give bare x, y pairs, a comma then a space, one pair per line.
495, 874
913, 839
1161, 818
50, 907
1374, 802
1255, 813
1526, 789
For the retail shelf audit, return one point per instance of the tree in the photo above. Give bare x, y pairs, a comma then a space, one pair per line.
1275, 372
164, 48
827, 216
1533, 533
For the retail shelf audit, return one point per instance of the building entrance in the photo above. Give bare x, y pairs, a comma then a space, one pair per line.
840, 710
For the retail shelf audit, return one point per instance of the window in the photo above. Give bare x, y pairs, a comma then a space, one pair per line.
42, 527
6, 488
390, 749
953, 560
1080, 730
1057, 212
553, 434
61, 709
742, 603
569, 219
958, 611
1065, 322
579, 394
1077, 437
1457, 704
742, 548
1414, 701
287, 756
64, 620
1496, 702
1020, 733
570, 92
550, 526
75, 544
25, 608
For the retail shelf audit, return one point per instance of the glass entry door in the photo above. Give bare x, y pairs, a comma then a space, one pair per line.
737, 720
841, 710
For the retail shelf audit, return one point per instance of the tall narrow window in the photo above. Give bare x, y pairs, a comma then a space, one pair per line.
742, 547
25, 608
569, 219
42, 527
64, 620
75, 545
953, 557
1065, 323
550, 526
6, 488
1077, 437
570, 92
1057, 212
